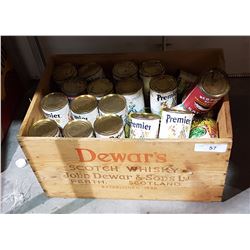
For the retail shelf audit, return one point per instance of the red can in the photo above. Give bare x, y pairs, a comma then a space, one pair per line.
211, 87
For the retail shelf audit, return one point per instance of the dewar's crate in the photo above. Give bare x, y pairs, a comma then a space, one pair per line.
158, 169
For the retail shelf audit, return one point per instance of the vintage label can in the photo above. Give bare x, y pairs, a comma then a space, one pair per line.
91, 72
84, 107
100, 88
44, 128
131, 89
163, 90
125, 69
175, 124
55, 106
64, 72
78, 128
211, 87
109, 126
144, 126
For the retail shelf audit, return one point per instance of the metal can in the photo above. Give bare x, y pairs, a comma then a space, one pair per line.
131, 89
113, 104
64, 72
125, 69
78, 128
163, 90
55, 106
84, 107
74, 87
211, 87
91, 72
44, 128
100, 88
144, 126
204, 128
148, 70
109, 126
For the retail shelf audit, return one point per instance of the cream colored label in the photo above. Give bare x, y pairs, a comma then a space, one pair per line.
120, 134
91, 116
135, 102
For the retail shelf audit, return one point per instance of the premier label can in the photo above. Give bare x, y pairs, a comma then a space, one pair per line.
163, 90
175, 124
144, 126
109, 126
84, 107
100, 88
91, 72
78, 128
211, 87
55, 106
131, 89
64, 72
125, 69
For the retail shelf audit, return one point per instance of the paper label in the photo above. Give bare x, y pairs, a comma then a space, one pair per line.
216, 148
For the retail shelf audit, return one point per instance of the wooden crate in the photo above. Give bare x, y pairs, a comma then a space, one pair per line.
160, 169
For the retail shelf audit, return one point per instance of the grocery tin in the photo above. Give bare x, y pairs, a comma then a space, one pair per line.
144, 126
64, 72
125, 69
131, 89
100, 88
84, 107
109, 126
91, 72
175, 124
44, 128
78, 128
113, 104
55, 106
212, 86
163, 90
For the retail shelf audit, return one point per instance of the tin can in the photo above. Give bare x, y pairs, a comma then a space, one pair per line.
100, 88
131, 89
91, 72
211, 87
55, 106
109, 126
125, 69
204, 128
163, 90
113, 104
144, 126
74, 87
78, 128
175, 124
84, 107
148, 70
44, 128
64, 72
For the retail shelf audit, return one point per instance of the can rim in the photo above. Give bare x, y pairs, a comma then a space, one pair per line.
144, 116
138, 83
86, 76
129, 74
89, 128
144, 74
108, 90
104, 98
153, 81
62, 105
95, 104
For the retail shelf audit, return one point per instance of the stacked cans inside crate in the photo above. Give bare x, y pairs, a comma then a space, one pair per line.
135, 102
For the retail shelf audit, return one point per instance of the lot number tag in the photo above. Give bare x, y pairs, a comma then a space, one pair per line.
216, 148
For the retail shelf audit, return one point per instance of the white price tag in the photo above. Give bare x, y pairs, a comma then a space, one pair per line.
216, 148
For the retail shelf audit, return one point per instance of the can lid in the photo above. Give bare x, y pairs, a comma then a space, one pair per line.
162, 84
128, 86
83, 104
112, 103
152, 68
89, 69
214, 83
78, 128
64, 71
44, 127
108, 124
54, 101
145, 116
125, 69
74, 87
100, 87
178, 111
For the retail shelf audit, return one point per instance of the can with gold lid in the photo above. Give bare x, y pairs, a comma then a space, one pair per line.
64, 72
131, 89
113, 104
91, 72
44, 128
55, 106
78, 128
84, 107
148, 70
74, 87
125, 69
100, 88
109, 126
163, 90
